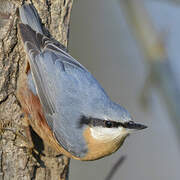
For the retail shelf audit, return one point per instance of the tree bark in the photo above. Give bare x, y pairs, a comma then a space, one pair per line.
16, 160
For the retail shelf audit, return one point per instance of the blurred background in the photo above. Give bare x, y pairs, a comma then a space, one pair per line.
132, 48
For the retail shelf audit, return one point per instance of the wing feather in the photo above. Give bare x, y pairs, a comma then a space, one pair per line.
51, 67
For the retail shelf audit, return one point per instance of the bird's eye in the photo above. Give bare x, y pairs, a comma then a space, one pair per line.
131, 123
108, 124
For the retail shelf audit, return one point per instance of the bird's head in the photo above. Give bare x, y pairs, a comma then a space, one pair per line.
107, 133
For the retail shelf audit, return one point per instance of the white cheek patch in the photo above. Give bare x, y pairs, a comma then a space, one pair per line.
107, 134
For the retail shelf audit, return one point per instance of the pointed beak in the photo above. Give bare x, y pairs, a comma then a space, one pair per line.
133, 125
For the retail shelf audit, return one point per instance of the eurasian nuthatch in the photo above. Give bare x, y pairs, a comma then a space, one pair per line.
67, 106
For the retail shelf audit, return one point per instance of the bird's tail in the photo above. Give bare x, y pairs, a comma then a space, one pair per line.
29, 16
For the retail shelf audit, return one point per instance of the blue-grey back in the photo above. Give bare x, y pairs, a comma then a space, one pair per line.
67, 91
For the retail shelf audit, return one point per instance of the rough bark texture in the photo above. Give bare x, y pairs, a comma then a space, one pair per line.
16, 160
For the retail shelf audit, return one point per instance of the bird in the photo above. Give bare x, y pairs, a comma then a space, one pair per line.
63, 102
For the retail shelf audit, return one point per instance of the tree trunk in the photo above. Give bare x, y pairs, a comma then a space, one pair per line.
16, 159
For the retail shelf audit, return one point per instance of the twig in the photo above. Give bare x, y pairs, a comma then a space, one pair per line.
115, 168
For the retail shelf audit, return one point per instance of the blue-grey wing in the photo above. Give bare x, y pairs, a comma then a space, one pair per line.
65, 88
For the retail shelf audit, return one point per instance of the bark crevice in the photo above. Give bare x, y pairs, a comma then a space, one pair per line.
16, 161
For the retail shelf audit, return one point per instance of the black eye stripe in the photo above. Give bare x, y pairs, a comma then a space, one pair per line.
109, 124
99, 122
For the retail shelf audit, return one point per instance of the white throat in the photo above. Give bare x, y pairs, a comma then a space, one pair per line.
107, 134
